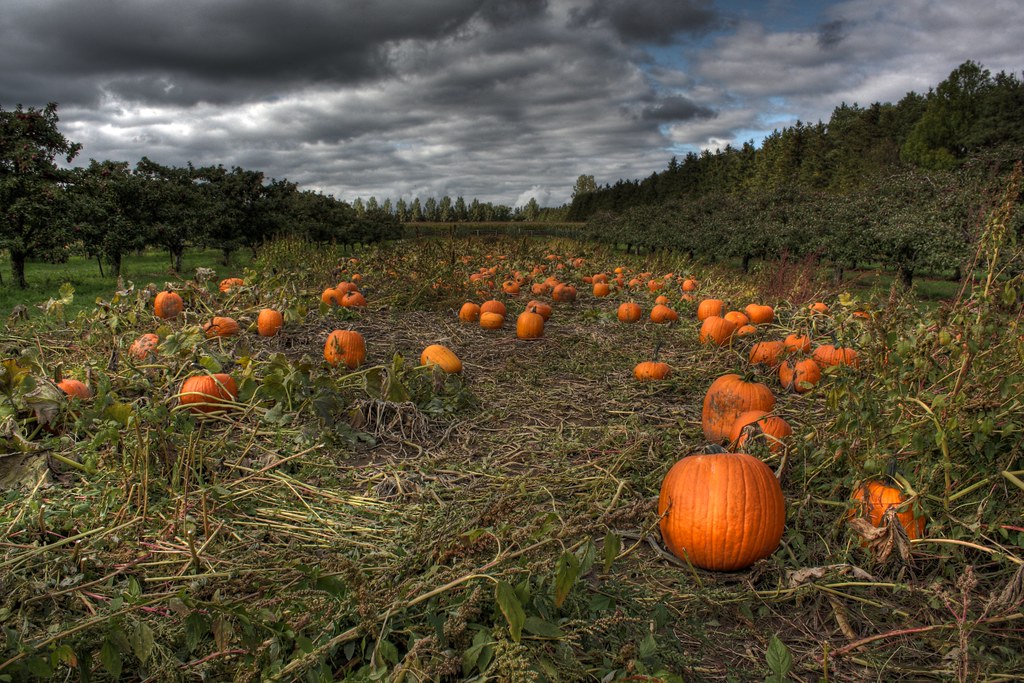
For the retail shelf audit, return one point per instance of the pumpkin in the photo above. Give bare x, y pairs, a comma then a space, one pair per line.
819, 307
689, 285
510, 287
830, 354
710, 307
716, 330
727, 398
530, 325
796, 343
746, 331
345, 346
759, 424
494, 306
651, 370
766, 353
874, 497
721, 511
540, 308
75, 388
168, 305
491, 320
602, 289
346, 287
443, 357
353, 299
629, 312
230, 283
143, 347
208, 393
800, 376
599, 277
332, 296
221, 326
470, 312
564, 293
758, 314
269, 322
738, 319
655, 285
663, 314
662, 300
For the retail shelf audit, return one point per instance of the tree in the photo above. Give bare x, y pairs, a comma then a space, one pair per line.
109, 211
584, 184
33, 219
173, 207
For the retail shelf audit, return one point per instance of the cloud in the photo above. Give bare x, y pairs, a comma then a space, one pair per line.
655, 21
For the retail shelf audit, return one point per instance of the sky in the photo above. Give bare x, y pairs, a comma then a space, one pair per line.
501, 100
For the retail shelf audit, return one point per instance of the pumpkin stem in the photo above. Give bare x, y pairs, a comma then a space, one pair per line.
890, 471
713, 448
657, 348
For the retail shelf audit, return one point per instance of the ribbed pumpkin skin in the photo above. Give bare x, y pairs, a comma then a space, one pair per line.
663, 314
759, 314
689, 285
494, 306
168, 305
738, 319
564, 293
440, 355
492, 321
530, 325
144, 346
629, 312
230, 283
602, 289
728, 397
470, 312
771, 428
797, 343
766, 353
725, 511
829, 354
345, 346
651, 370
710, 307
213, 390
800, 376
875, 497
221, 326
540, 308
332, 296
269, 322
353, 299
717, 330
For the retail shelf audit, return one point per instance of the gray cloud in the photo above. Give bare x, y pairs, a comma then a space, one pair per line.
648, 20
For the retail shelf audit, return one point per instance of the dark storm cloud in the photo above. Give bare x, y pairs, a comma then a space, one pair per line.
200, 50
676, 108
830, 35
655, 21
503, 12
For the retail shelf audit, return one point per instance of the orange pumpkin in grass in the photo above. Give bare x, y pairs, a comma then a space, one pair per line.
721, 511
661, 314
601, 289
830, 354
727, 398
345, 346
491, 321
819, 307
796, 343
332, 296
661, 299
767, 353
144, 347
689, 285
715, 330
221, 326
494, 306
758, 314
874, 497
746, 331
799, 375
629, 312
346, 287
227, 284
651, 370
353, 299
168, 305
758, 424
540, 308
208, 393
443, 357
470, 312
269, 322
737, 318
710, 307
530, 325
564, 293
75, 388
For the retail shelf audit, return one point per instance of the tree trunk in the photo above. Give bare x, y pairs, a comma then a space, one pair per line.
115, 265
225, 256
18, 268
746, 263
838, 274
99, 262
958, 274
906, 275
177, 254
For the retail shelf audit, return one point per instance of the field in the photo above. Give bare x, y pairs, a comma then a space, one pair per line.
393, 522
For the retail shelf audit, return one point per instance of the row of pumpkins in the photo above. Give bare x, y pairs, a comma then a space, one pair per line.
719, 511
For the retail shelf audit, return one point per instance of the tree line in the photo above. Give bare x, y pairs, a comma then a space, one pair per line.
109, 209
901, 184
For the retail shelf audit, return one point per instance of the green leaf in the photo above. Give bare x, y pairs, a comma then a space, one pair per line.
567, 570
648, 646
505, 596
780, 660
142, 642
612, 548
542, 628
110, 657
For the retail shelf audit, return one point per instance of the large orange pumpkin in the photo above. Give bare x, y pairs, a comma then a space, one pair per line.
757, 424
602, 289
494, 306
443, 357
143, 347
470, 312
663, 314
345, 346
75, 388
651, 370
717, 330
728, 397
230, 283
540, 308
491, 321
353, 299
800, 376
208, 393
168, 305
766, 353
710, 307
629, 312
332, 296
221, 326
759, 314
564, 293
875, 497
723, 511
830, 354
796, 343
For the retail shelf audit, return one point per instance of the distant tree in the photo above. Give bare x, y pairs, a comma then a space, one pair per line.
584, 184
109, 209
939, 139
532, 210
173, 205
33, 215
416, 211
461, 212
